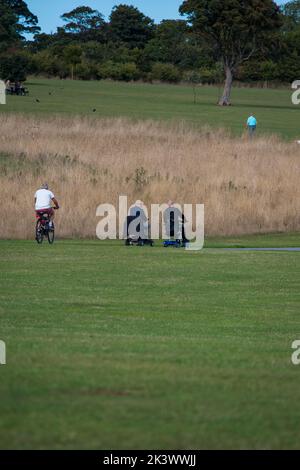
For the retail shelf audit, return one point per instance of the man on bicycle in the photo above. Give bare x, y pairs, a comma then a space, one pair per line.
43, 203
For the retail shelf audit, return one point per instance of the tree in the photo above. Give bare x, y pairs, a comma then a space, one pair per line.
236, 29
72, 56
15, 20
289, 59
86, 23
167, 44
130, 26
291, 12
165, 73
174, 43
42, 41
15, 67
27, 22
8, 26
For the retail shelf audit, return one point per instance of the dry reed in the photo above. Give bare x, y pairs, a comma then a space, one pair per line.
246, 186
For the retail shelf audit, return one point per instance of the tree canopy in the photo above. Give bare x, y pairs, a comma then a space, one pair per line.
24, 20
236, 29
236, 39
291, 12
15, 20
130, 26
85, 22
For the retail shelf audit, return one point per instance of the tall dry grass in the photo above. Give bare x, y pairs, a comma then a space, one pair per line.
246, 186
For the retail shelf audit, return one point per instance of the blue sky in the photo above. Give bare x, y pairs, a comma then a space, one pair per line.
49, 12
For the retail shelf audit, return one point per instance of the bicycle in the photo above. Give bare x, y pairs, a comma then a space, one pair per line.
43, 229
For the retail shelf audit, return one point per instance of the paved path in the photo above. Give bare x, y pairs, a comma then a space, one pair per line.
261, 249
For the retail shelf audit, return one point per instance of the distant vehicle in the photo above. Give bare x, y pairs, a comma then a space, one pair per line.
174, 243
16, 88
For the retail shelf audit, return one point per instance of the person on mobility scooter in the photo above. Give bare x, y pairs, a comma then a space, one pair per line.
137, 226
174, 227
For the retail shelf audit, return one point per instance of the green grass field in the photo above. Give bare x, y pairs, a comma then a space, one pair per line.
114, 347
273, 108
110, 347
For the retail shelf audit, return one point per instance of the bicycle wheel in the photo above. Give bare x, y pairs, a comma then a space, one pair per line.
39, 232
51, 235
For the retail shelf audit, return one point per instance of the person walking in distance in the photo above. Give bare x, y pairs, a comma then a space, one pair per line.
251, 125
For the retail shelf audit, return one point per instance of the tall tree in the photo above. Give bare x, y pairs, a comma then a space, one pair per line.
15, 66
174, 43
85, 23
27, 22
8, 26
130, 26
15, 20
236, 29
291, 12
167, 44
72, 56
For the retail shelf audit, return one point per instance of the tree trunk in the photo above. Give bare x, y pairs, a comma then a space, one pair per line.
225, 100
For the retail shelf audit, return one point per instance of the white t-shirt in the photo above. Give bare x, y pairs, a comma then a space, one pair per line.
43, 199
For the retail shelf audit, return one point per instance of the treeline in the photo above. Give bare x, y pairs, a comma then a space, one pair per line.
130, 46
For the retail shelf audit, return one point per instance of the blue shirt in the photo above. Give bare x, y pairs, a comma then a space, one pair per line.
251, 121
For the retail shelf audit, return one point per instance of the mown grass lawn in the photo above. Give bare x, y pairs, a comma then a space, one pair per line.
114, 347
273, 108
